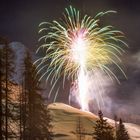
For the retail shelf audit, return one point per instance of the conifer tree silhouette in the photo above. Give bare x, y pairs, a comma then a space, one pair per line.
80, 130
1, 91
7, 105
103, 131
37, 119
121, 132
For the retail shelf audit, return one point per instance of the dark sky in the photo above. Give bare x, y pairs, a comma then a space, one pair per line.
19, 19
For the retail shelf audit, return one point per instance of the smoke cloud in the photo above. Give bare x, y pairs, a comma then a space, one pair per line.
114, 99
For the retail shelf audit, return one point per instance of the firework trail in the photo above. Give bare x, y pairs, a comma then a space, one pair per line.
75, 47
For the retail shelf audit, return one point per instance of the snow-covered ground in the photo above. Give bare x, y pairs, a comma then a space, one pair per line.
65, 120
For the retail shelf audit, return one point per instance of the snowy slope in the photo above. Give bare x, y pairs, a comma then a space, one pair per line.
134, 130
65, 121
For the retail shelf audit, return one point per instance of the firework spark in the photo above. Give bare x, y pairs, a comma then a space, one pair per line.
76, 46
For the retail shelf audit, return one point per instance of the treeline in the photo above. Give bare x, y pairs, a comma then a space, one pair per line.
102, 130
24, 117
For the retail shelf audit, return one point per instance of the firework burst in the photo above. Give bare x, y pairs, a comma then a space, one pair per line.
76, 45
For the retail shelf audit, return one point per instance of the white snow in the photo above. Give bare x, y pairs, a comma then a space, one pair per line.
65, 121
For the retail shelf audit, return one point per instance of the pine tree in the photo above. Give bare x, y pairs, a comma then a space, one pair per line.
37, 117
80, 130
121, 132
7, 69
20, 113
46, 127
2, 41
103, 131
1, 121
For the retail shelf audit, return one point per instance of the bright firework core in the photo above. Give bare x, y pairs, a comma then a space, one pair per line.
79, 48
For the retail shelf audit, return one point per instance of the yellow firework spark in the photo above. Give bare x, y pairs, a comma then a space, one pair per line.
76, 44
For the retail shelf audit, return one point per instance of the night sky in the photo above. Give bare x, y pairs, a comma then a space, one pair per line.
19, 20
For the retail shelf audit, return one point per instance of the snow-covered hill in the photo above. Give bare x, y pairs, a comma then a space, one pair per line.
65, 120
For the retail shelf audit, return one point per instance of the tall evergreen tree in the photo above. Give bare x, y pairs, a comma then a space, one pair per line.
102, 130
121, 132
7, 104
2, 41
37, 119
9, 69
1, 121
